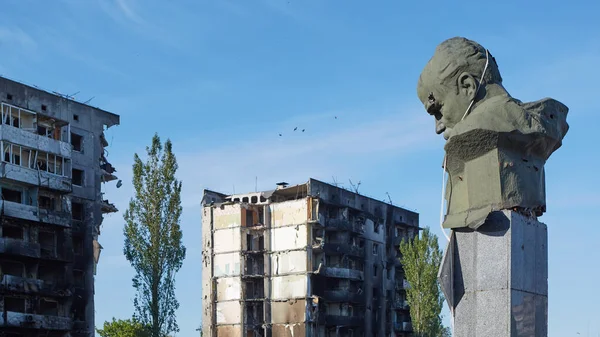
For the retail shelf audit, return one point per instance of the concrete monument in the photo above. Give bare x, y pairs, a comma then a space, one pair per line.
494, 273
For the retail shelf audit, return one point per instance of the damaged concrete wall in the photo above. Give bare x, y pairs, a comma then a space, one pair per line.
289, 237
226, 264
229, 331
292, 311
289, 212
289, 262
228, 312
226, 240
289, 287
207, 272
228, 216
229, 289
290, 330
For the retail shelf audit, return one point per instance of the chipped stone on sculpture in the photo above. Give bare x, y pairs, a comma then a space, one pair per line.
496, 149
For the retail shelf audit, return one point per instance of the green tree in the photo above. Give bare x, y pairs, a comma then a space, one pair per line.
421, 258
153, 238
123, 328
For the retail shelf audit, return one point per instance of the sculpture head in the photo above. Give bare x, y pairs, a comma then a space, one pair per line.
450, 81
497, 145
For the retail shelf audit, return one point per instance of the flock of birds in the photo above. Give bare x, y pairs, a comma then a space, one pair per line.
296, 128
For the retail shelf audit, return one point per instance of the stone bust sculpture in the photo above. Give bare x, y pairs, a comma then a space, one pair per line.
496, 146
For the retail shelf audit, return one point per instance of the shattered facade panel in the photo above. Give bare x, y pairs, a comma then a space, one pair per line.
52, 167
307, 260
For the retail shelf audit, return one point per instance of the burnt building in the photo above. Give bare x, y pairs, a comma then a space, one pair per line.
52, 167
306, 260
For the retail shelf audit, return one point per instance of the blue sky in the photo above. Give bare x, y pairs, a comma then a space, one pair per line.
223, 78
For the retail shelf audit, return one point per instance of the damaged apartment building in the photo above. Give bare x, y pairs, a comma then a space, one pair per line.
306, 260
52, 168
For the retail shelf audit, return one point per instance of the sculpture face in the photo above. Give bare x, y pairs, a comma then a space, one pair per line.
497, 152
446, 106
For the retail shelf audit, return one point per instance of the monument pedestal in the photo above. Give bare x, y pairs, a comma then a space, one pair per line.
496, 278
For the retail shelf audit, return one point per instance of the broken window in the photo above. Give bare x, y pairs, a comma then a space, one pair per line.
49, 308
261, 215
249, 218
77, 211
47, 273
332, 212
14, 304
78, 311
78, 246
43, 130
77, 142
375, 249
77, 176
374, 270
12, 268
75, 117
377, 226
261, 243
46, 202
12, 153
12, 232
79, 278
47, 242
249, 242
12, 195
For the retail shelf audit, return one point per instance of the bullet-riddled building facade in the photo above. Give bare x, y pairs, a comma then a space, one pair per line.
52, 166
307, 260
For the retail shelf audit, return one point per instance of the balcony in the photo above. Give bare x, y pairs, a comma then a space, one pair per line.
344, 320
35, 177
77, 227
80, 326
394, 261
17, 247
23, 137
51, 253
343, 224
401, 285
11, 283
28, 212
254, 270
400, 304
340, 249
397, 240
403, 326
344, 296
108, 207
336, 272
31, 321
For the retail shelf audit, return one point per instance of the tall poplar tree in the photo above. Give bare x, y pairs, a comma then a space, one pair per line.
421, 258
153, 236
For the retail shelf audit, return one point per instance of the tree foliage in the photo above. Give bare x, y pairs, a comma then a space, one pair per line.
123, 328
421, 258
153, 237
